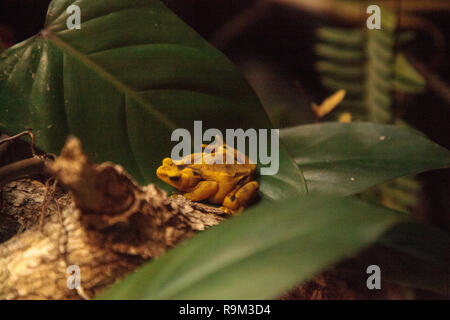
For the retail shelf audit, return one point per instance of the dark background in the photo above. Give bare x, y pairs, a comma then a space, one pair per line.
276, 52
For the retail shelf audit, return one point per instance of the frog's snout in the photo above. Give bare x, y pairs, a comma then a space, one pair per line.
167, 162
169, 173
160, 172
178, 175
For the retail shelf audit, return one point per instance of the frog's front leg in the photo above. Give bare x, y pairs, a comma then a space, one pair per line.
202, 191
236, 200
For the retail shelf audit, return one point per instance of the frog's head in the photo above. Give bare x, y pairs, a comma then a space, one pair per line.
178, 175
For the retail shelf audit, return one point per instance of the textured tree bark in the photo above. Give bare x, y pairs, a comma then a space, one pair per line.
107, 226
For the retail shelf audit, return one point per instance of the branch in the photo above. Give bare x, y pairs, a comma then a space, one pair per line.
21, 169
108, 226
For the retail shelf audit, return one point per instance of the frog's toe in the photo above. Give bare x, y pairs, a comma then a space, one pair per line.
232, 211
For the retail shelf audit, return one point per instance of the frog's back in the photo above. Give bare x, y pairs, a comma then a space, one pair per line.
234, 164
232, 170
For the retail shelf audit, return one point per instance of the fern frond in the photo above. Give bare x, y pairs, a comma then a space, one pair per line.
333, 52
343, 37
364, 63
338, 70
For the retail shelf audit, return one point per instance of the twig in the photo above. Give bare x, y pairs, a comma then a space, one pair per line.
58, 207
434, 82
49, 191
352, 14
420, 6
25, 133
27, 167
418, 23
22, 169
237, 25
348, 12
356, 11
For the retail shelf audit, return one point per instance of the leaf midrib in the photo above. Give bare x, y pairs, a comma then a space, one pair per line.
105, 75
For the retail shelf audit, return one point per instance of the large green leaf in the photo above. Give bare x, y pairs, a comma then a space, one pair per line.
347, 158
122, 83
259, 254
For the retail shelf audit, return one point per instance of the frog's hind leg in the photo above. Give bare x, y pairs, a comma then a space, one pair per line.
202, 191
236, 200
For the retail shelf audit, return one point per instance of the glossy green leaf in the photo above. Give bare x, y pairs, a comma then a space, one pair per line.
347, 158
122, 83
259, 254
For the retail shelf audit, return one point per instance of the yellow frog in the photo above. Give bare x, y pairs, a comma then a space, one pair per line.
232, 185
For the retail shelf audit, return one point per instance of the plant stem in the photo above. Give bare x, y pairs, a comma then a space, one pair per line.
21, 169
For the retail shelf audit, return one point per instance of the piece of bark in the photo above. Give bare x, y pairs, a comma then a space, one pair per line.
22, 203
109, 229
